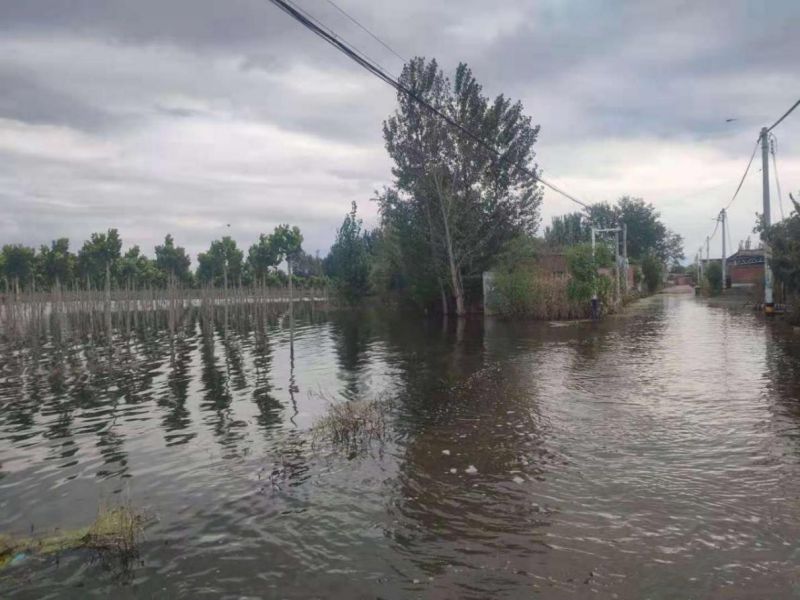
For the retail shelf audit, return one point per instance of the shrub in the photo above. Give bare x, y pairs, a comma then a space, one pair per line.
714, 278
652, 270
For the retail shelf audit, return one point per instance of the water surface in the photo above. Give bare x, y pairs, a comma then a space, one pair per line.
654, 455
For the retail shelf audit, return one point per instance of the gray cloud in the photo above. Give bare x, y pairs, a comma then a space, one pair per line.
187, 115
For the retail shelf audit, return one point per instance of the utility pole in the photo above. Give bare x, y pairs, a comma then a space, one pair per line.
625, 254
769, 304
617, 258
594, 287
700, 264
708, 252
722, 217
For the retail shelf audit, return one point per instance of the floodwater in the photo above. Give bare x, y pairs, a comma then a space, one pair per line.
654, 455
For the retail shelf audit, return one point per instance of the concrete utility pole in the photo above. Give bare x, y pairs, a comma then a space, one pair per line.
769, 303
594, 288
616, 231
625, 254
700, 264
708, 251
722, 217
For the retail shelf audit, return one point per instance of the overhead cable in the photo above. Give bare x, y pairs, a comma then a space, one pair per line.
361, 59
786, 114
372, 35
741, 181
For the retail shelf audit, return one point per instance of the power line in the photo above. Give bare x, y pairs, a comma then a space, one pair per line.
372, 35
786, 114
773, 143
741, 181
371, 66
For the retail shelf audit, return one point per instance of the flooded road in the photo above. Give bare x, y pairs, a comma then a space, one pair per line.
654, 455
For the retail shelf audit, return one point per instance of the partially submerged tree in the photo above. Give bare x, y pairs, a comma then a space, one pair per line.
348, 262
56, 264
261, 257
19, 263
467, 202
98, 256
221, 264
173, 261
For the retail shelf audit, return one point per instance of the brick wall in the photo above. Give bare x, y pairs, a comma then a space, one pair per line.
746, 273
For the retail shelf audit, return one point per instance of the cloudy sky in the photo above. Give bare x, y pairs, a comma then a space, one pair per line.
199, 117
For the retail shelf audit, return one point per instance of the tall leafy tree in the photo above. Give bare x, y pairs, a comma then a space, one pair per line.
287, 242
100, 252
467, 201
134, 269
222, 258
19, 263
348, 261
173, 261
647, 234
568, 230
56, 263
262, 256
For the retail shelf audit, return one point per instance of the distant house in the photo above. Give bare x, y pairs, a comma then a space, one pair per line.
746, 267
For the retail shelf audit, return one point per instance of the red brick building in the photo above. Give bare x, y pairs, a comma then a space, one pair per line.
746, 266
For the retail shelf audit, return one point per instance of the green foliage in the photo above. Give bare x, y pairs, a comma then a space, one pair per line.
262, 256
173, 262
137, 271
56, 264
646, 233
583, 268
652, 271
453, 199
19, 264
348, 262
713, 273
101, 250
287, 242
784, 239
223, 258
568, 230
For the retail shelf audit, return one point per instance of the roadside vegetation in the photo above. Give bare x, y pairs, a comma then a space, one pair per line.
784, 239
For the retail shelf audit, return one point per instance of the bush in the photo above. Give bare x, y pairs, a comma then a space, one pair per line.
714, 278
652, 270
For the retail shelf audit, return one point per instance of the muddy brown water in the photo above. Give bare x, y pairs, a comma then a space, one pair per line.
654, 455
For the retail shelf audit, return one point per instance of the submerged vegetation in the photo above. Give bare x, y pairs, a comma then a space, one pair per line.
114, 536
352, 425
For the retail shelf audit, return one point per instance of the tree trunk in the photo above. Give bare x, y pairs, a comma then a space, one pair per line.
455, 276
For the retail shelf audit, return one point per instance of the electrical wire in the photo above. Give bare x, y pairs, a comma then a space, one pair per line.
741, 181
786, 114
364, 61
773, 143
372, 35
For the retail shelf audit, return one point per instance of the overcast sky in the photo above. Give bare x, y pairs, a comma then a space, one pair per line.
186, 116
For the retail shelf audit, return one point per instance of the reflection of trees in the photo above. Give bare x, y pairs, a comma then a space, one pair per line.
456, 410
176, 420
217, 397
269, 407
352, 335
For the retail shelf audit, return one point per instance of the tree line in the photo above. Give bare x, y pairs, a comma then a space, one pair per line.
100, 260
455, 209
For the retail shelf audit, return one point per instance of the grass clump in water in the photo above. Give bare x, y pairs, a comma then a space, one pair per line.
353, 425
114, 535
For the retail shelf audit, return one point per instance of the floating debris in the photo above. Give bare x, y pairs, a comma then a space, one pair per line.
471, 470
446, 452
